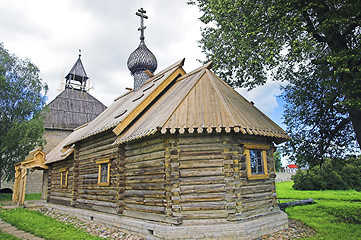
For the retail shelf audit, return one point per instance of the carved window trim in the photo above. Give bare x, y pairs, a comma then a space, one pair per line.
103, 163
64, 172
248, 147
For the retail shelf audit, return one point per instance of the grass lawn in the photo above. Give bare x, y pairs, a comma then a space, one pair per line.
30, 196
7, 236
336, 214
42, 226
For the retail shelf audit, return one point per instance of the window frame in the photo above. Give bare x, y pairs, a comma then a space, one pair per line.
62, 177
100, 162
258, 147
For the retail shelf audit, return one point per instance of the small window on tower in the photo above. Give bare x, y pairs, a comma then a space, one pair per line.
256, 158
103, 172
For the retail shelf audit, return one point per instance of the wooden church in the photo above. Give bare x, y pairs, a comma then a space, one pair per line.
180, 156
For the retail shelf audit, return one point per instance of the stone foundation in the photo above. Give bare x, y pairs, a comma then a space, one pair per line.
153, 230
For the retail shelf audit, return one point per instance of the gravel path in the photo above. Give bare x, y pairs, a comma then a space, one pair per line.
296, 229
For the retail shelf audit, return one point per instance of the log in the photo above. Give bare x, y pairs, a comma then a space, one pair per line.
296, 203
145, 157
157, 147
203, 214
144, 171
206, 188
198, 140
149, 141
145, 208
202, 147
201, 172
146, 164
202, 180
201, 163
209, 197
194, 206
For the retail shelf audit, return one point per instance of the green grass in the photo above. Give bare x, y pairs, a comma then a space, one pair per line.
30, 196
7, 236
43, 226
336, 214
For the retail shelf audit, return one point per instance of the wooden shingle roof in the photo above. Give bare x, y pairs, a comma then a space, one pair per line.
71, 109
201, 102
173, 101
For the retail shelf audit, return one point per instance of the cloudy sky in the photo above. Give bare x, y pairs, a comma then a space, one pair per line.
50, 33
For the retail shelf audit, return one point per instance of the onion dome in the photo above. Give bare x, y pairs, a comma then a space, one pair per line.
142, 59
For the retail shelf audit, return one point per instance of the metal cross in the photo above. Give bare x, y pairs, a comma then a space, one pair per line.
141, 13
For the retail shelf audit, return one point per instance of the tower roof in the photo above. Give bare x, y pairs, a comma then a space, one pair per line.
77, 77
71, 109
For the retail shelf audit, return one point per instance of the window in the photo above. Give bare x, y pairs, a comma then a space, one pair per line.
63, 177
103, 172
256, 158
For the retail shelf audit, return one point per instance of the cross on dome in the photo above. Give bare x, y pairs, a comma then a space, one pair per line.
141, 13
141, 59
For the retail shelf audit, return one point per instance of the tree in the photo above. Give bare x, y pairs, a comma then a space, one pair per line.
22, 98
316, 118
277, 159
312, 43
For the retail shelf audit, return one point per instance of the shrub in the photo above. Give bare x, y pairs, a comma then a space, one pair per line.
335, 174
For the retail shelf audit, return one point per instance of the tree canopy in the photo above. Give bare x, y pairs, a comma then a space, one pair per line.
22, 98
313, 45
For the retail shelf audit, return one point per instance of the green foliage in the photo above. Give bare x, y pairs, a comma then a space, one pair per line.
22, 98
277, 159
335, 174
42, 226
336, 214
317, 122
313, 45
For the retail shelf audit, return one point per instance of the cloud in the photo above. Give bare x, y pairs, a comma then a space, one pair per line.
51, 32
264, 97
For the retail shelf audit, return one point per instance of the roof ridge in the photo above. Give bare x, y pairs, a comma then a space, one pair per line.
208, 66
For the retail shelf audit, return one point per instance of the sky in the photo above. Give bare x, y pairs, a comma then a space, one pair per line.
50, 34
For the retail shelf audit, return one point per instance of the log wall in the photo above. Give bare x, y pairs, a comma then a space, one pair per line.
167, 178
202, 187
144, 179
56, 193
258, 197
86, 192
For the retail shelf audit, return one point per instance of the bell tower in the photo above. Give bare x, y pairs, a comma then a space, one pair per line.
77, 78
